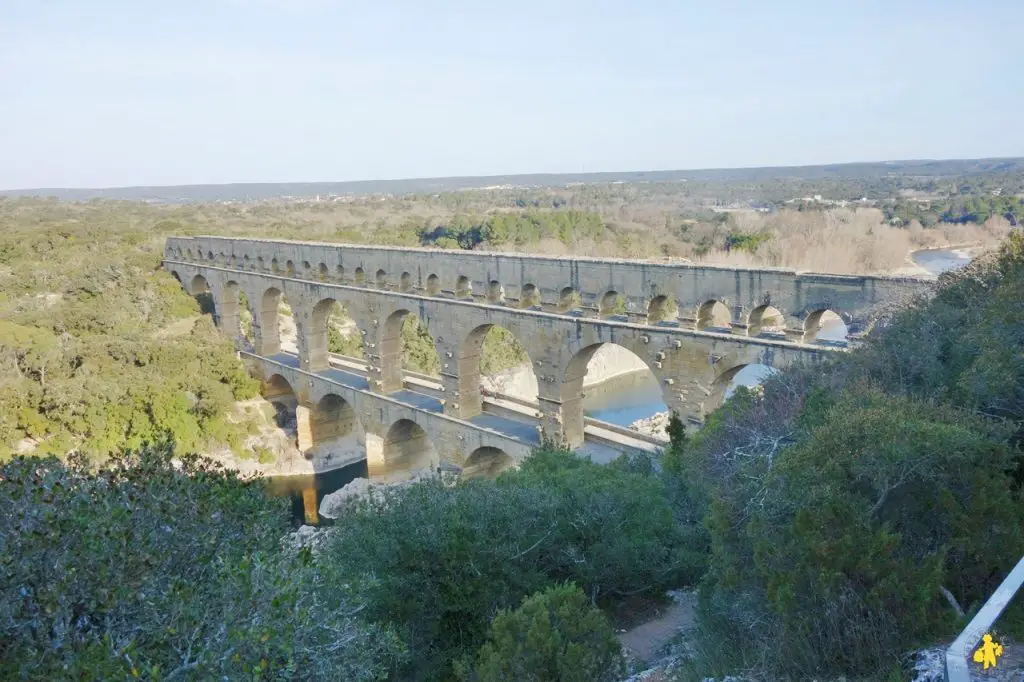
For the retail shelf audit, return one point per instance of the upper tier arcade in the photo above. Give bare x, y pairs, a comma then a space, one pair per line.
660, 292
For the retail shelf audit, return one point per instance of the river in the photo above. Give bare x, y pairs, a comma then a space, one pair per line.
938, 261
307, 491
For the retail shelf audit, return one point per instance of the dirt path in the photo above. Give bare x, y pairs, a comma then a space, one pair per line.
178, 328
647, 640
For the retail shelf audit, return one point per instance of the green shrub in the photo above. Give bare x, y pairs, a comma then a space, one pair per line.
554, 635
854, 496
439, 561
149, 569
858, 536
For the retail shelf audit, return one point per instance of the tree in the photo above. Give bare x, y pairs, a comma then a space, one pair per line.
438, 561
157, 568
556, 634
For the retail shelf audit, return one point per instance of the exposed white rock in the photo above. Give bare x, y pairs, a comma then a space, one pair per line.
930, 665
333, 505
655, 425
305, 536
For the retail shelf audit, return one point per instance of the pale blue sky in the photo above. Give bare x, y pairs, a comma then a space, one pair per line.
98, 93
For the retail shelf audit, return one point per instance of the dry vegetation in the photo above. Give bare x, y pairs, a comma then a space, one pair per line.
839, 240
846, 240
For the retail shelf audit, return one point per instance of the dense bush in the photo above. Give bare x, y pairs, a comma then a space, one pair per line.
554, 635
855, 506
440, 561
152, 570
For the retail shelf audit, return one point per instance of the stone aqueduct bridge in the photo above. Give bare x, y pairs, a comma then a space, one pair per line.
695, 326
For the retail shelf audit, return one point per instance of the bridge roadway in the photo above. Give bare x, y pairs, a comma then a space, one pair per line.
693, 364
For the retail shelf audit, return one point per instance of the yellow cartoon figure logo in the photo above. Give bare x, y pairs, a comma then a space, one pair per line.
988, 652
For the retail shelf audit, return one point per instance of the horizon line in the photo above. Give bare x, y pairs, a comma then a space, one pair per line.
512, 175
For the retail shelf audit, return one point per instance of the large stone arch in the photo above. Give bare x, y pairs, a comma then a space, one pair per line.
574, 373
198, 285
200, 288
470, 398
722, 384
487, 461
280, 393
407, 447
390, 349
336, 434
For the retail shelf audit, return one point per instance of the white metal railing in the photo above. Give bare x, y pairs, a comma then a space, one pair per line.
961, 650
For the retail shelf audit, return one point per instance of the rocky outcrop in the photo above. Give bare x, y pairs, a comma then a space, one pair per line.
333, 505
656, 425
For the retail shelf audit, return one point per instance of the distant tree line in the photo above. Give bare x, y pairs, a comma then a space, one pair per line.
959, 209
520, 229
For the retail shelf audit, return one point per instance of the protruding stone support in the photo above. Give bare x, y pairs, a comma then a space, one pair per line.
312, 357
452, 395
390, 356
571, 393
469, 397
266, 329
551, 422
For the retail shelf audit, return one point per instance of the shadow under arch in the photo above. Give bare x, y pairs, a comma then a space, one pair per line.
748, 375
487, 462
611, 304
529, 296
279, 393
406, 344
620, 396
569, 300
495, 292
479, 356
662, 310
407, 447
336, 433
200, 290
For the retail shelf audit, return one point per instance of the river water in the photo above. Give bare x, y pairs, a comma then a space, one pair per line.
938, 261
307, 491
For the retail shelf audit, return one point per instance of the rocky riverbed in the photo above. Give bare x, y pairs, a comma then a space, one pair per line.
656, 425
